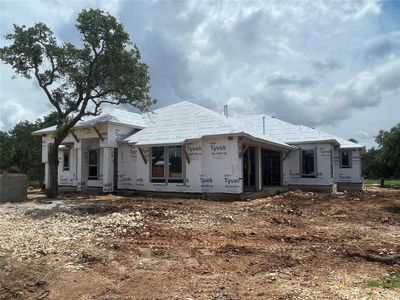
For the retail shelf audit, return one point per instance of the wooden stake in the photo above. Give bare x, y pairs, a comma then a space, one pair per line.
186, 154
142, 154
243, 151
74, 135
98, 133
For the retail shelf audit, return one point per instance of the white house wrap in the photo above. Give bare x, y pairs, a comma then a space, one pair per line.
188, 148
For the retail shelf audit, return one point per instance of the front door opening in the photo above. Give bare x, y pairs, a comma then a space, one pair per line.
270, 167
249, 169
93, 164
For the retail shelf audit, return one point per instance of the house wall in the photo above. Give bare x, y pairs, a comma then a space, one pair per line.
117, 133
291, 166
348, 175
68, 178
88, 139
214, 168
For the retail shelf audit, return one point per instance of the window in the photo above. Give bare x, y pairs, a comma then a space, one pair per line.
157, 164
175, 164
345, 159
308, 163
172, 170
66, 160
93, 164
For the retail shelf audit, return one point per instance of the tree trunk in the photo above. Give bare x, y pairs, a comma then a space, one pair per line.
52, 190
382, 182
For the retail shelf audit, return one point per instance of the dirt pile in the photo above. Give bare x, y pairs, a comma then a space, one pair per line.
291, 246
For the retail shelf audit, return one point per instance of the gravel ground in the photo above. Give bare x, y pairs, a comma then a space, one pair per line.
291, 246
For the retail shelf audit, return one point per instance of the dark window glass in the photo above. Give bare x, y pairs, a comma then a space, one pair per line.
93, 164
345, 159
308, 163
157, 162
93, 157
66, 160
175, 162
92, 171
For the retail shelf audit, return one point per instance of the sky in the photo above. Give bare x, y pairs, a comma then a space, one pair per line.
330, 65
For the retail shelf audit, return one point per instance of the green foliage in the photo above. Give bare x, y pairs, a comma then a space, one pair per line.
6, 151
384, 161
353, 140
27, 148
77, 81
387, 283
390, 183
20, 151
389, 147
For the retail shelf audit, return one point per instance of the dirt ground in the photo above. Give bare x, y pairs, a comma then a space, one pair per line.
291, 246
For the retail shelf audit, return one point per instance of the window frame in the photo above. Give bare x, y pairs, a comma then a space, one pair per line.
166, 178
175, 179
153, 178
68, 154
314, 173
92, 165
350, 156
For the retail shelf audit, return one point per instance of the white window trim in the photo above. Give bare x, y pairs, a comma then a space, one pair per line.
68, 152
314, 174
166, 178
152, 178
97, 165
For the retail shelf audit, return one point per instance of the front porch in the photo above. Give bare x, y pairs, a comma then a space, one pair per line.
262, 165
86, 163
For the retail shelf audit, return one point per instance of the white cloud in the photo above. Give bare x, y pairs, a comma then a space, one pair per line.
12, 112
303, 61
382, 46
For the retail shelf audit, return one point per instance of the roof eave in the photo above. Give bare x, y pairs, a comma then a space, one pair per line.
323, 141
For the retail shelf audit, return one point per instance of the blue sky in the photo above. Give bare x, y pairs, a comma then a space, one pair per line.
327, 64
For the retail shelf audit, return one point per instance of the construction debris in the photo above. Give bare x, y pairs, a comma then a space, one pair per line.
294, 245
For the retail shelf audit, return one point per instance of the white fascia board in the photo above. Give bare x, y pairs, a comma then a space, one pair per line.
264, 141
108, 123
178, 142
352, 147
153, 144
52, 129
47, 130
329, 141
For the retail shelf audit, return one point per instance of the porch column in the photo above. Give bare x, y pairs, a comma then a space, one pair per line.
81, 169
108, 169
258, 169
46, 175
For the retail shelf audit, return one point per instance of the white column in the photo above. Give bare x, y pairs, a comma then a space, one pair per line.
46, 175
258, 169
108, 169
81, 169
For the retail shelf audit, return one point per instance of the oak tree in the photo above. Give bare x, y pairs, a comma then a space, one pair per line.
77, 81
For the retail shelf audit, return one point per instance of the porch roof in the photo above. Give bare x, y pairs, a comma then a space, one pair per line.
110, 116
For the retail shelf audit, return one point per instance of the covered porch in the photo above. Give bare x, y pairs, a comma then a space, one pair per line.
262, 165
86, 162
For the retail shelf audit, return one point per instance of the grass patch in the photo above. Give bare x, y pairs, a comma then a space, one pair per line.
391, 183
386, 283
34, 183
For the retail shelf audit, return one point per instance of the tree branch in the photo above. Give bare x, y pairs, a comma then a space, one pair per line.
44, 87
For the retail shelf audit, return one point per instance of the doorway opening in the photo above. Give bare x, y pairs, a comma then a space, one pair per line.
270, 167
249, 169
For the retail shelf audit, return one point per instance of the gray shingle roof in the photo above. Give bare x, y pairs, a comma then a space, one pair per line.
185, 121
